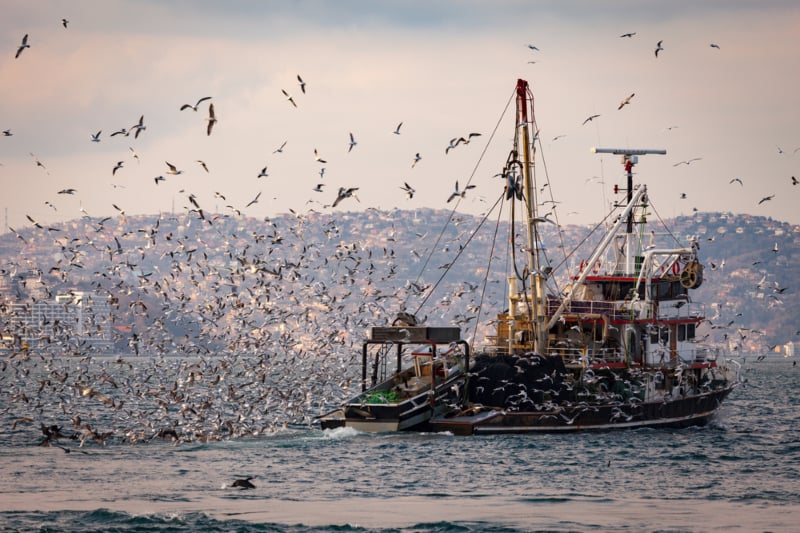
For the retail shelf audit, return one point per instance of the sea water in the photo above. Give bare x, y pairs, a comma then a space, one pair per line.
739, 473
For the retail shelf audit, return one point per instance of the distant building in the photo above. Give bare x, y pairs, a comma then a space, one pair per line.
788, 349
73, 323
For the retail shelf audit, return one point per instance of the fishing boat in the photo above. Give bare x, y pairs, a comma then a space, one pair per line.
612, 344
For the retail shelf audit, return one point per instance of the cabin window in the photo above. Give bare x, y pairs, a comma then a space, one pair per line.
621, 290
686, 332
660, 335
668, 290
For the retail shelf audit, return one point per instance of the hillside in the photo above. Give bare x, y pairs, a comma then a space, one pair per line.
315, 282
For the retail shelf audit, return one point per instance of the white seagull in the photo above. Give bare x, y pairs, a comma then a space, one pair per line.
289, 97
344, 193
456, 193
194, 107
173, 169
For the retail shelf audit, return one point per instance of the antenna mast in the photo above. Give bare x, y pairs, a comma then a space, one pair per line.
630, 157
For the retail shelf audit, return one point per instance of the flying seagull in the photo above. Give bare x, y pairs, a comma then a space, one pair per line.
38, 163
212, 118
96, 137
173, 169
64, 22
194, 107
735, 180
409, 190
456, 193
714, 45
279, 150
590, 119
352, 142
34, 222
302, 84
766, 199
254, 200
23, 45
631, 34
625, 101
139, 126
397, 129
318, 158
116, 167
658, 47
417, 159
289, 97
202, 164
343, 194
263, 173
687, 162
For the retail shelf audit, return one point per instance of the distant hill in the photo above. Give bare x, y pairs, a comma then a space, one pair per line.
186, 284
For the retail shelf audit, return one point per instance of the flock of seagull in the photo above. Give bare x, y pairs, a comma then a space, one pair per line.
244, 327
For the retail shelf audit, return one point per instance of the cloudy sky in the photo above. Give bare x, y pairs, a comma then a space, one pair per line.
444, 68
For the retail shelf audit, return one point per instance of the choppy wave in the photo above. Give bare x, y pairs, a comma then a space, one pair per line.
738, 472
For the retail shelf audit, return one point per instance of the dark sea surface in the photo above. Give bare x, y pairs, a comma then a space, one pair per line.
740, 473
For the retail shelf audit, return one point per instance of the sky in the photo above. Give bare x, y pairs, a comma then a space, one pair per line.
442, 68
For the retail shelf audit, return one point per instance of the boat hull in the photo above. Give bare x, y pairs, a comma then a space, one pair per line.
683, 412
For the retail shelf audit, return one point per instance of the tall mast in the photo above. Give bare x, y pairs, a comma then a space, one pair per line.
527, 174
537, 310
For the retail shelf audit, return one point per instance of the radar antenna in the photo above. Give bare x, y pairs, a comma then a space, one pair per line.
630, 157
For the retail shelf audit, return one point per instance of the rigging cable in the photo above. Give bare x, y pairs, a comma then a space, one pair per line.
460, 251
486, 277
453, 211
663, 224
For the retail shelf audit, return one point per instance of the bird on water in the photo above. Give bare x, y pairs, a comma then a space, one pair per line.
243, 483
